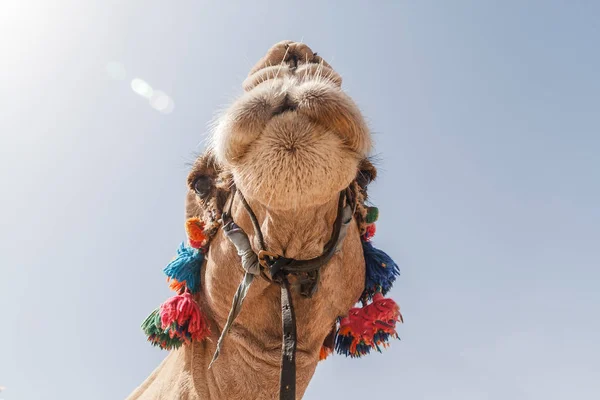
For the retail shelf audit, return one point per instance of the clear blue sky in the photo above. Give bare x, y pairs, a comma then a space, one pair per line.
486, 120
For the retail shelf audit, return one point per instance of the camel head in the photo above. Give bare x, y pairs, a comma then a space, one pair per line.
294, 138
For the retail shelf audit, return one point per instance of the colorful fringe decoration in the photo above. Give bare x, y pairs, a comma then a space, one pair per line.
181, 318
369, 327
324, 352
372, 215
329, 343
184, 270
369, 233
152, 327
195, 232
176, 286
381, 271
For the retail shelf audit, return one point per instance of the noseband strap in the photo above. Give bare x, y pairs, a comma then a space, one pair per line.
280, 268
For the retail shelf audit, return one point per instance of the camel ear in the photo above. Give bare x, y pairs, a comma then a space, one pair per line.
366, 173
364, 176
205, 168
208, 185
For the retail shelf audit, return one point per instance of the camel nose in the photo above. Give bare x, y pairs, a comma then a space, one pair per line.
296, 57
287, 52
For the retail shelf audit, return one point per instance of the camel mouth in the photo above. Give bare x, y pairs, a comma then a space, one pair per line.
309, 98
286, 106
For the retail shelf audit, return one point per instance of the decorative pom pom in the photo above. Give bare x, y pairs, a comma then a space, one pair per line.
368, 327
369, 233
381, 271
185, 268
151, 324
182, 318
329, 343
195, 231
372, 215
152, 327
324, 352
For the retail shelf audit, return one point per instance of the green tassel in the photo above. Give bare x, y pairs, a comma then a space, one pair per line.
152, 327
165, 342
372, 215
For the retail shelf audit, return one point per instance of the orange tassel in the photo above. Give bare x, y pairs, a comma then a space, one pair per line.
324, 352
175, 285
195, 231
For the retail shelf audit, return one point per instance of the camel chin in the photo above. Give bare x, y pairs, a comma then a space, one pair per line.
294, 138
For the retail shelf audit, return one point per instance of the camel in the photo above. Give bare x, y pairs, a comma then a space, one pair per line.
292, 144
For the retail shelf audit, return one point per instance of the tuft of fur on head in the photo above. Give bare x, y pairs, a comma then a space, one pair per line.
294, 138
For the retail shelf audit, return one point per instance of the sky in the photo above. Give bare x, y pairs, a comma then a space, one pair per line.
485, 117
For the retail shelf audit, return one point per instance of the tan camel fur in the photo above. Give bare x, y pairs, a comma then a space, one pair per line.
290, 143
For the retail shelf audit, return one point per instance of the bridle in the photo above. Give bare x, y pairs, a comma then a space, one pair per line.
279, 268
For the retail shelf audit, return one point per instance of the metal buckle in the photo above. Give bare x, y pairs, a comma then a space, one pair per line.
262, 257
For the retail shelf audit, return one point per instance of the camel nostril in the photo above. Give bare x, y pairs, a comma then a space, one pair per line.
287, 105
293, 61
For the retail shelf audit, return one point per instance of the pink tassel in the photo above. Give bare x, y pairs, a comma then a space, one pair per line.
182, 317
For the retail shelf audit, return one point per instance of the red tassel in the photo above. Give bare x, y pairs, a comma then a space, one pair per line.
368, 327
182, 316
369, 232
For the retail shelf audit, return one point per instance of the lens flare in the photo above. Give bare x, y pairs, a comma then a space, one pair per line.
141, 87
160, 101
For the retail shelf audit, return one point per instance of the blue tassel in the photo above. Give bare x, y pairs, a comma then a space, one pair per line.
381, 271
186, 267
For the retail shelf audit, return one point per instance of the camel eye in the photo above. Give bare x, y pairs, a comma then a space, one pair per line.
202, 186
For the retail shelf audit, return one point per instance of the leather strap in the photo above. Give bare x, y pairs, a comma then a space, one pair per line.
287, 378
297, 266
